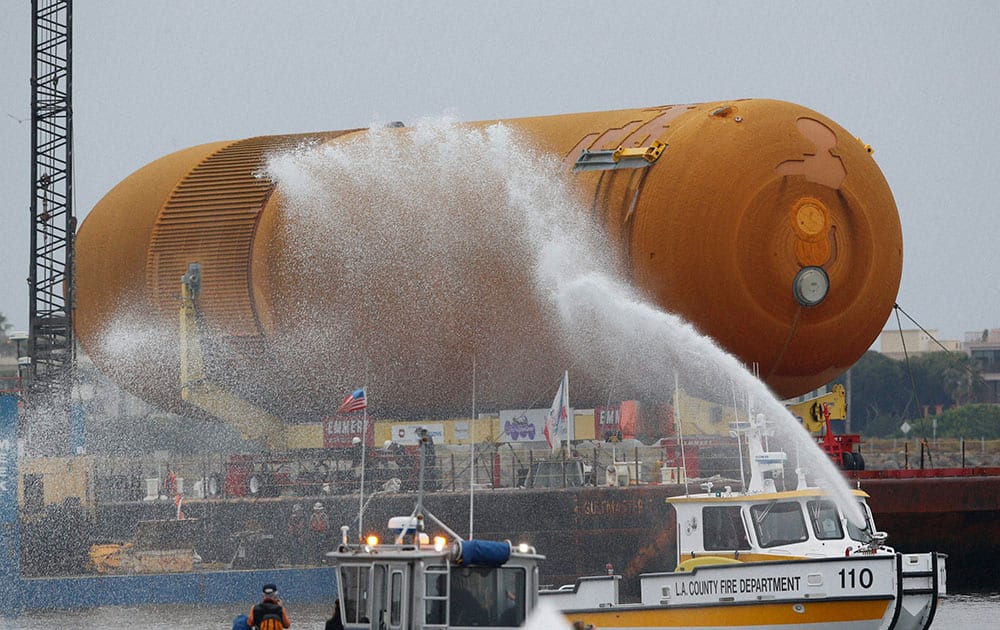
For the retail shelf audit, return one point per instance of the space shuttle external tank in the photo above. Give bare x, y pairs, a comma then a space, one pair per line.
765, 224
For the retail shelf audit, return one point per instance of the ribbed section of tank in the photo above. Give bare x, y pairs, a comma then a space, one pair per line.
765, 224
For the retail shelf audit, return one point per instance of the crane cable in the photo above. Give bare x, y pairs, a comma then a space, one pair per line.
973, 374
906, 358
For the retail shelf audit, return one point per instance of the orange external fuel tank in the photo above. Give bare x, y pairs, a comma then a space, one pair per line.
763, 223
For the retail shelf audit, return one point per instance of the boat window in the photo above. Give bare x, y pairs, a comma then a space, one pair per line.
862, 535
378, 603
353, 585
511, 611
825, 519
435, 595
487, 596
396, 599
723, 528
779, 523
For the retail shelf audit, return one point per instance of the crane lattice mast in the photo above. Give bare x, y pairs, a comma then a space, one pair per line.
53, 223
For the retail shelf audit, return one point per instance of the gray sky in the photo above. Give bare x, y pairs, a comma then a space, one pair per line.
919, 81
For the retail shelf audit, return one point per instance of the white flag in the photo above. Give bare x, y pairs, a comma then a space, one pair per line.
557, 420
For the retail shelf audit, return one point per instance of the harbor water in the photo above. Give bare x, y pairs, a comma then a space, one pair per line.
975, 610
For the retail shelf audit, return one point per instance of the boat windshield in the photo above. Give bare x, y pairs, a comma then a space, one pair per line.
862, 535
779, 523
487, 596
825, 519
724, 528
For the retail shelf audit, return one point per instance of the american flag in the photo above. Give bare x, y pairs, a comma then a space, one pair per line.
354, 401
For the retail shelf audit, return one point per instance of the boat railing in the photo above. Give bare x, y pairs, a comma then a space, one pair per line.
598, 591
161, 475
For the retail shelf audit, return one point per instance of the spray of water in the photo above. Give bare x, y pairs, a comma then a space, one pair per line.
432, 265
413, 251
134, 339
439, 201
546, 617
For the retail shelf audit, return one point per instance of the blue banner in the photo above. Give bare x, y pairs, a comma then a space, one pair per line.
8, 459
10, 542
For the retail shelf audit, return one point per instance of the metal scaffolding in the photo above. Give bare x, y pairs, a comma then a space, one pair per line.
53, 222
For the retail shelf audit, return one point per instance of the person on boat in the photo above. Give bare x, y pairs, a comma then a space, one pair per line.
241, 623
466, 609
319, 524
296, 534
269, 613
430, 459
334, 622
512, 614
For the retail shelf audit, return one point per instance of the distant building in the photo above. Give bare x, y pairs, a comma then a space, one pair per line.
8, 364
8, 368
984, 348
898, 344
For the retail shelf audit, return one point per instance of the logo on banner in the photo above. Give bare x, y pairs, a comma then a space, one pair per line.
407, 433
340, 431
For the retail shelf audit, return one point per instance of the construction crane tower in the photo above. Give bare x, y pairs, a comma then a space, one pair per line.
53, 222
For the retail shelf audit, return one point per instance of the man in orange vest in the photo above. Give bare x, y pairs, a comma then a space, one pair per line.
270, 613
319, 524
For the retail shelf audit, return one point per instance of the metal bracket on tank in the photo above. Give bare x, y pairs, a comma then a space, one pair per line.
621, 157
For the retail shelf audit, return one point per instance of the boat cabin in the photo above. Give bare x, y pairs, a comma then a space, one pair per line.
766, 524
800, 523
768, 558
424, 583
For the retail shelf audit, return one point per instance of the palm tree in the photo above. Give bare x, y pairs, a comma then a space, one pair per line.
6, 345
958, 378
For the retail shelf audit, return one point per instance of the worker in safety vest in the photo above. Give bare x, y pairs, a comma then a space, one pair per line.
319, 525
270, 613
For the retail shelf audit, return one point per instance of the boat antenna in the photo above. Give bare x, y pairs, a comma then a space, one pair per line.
756, 374
424, 440
361, 493
680, 432
739, 439
472, 451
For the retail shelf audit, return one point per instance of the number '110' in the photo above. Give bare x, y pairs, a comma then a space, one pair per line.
853, 578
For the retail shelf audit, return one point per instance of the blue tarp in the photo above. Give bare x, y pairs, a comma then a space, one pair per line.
488, 553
